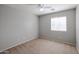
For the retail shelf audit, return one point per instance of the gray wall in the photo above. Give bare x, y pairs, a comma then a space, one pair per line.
16, 27
77, 27
68, 37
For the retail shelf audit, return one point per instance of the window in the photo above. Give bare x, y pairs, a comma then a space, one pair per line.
58, 24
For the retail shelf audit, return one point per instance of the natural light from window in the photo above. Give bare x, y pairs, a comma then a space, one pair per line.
59, 23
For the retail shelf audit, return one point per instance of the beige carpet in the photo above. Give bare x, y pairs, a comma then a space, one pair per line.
42, 46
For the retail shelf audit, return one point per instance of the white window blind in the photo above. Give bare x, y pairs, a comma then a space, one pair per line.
59, 23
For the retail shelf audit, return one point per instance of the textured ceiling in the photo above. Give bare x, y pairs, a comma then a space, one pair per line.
35, 9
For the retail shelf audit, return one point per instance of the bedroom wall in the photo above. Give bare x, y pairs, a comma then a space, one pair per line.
16, 27
68, 37
77, 27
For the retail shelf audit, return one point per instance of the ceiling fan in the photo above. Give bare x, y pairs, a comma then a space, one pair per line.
46, 7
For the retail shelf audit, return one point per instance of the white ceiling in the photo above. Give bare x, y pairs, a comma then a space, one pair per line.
34, 8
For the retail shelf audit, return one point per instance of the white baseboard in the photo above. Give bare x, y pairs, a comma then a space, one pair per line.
62, 42
16, 44
69, 43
